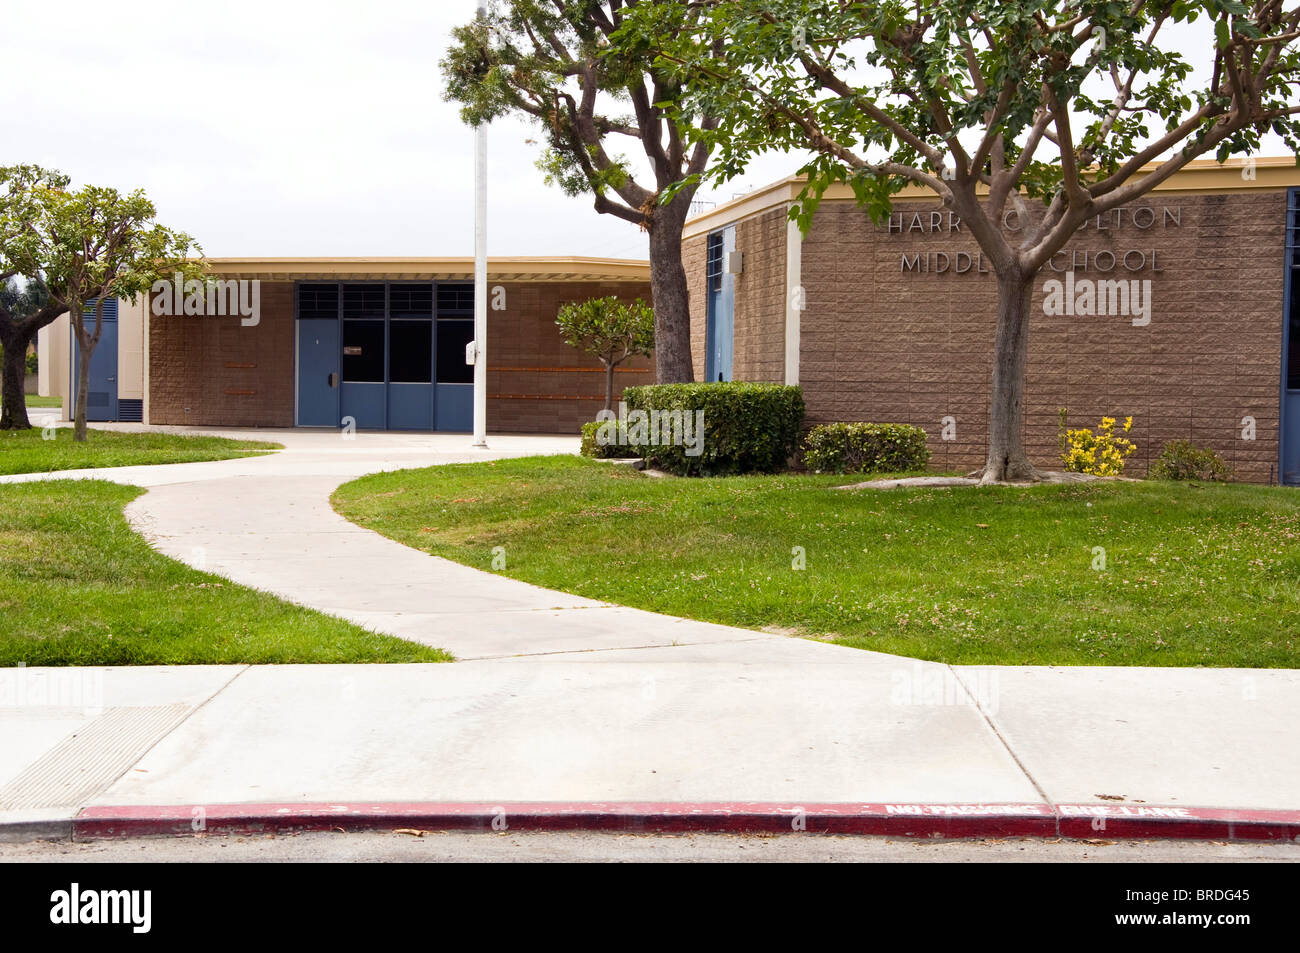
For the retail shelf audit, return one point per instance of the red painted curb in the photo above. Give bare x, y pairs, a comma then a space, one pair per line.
1145, 821
899, 820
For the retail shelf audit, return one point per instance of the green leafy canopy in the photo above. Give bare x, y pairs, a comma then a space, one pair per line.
553, 61
1080, 104
610, 329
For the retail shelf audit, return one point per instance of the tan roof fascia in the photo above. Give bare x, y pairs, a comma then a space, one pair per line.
545, 270
1200, 175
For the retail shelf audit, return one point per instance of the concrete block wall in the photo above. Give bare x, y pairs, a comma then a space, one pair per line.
536, 382
213, 371
882, 344
879, 342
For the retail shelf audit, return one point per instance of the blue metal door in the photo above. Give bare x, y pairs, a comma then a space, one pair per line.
385, 355
1290, 451
101, 393
721, 327
318, 372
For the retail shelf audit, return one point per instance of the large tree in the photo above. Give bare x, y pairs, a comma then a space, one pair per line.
1053, 111
551, 60
26, 193
101, 244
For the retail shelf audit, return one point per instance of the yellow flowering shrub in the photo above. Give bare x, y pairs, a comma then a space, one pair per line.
1102, 453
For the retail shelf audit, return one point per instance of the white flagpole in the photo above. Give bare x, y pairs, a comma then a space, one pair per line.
480, 275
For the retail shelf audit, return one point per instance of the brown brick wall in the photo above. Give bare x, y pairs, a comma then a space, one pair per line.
880, 345
759, 350
695, 261
536, 382
212, 371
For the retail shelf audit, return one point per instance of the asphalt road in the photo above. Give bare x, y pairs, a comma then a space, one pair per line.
439, 847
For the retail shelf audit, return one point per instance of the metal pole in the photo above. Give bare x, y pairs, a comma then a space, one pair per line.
480, 276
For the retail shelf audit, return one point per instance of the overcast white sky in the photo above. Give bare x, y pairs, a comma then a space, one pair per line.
280, 127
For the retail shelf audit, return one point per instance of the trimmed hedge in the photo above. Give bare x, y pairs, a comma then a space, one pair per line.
620, 450
1183, 460
866, 448
747, 428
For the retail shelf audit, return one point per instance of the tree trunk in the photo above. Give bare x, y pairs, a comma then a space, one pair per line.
1007, 460
671, 297
13, 401
609, 386
87, 349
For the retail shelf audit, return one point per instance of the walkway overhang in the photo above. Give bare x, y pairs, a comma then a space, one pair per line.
431, 269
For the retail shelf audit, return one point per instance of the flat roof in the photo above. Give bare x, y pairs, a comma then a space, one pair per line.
431, 269
1200, 175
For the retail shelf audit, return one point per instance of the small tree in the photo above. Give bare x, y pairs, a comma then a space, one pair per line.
551, 60
1062, 109
26, 193
611, 330
102, 244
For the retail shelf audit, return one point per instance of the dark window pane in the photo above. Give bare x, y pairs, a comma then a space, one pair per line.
318, 301
363, 351
452, 338
455, 300
1293, 357
363, 301
411, 352
410, 301
713, 262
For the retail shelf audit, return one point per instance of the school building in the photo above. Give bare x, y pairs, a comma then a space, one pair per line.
379, 343
1180, 310
894, 322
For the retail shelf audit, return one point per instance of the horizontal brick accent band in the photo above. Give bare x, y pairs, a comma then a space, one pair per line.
545, 397
573, 370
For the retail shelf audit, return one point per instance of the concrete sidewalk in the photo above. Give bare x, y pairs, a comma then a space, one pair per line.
568, 712
685, 737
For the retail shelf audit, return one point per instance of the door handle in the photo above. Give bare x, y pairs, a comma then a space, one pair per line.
111, 380
333, 379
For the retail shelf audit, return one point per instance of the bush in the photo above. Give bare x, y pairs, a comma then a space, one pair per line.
32, 364
866, 448
617, 450
1101, 454
744, 428
1183, 460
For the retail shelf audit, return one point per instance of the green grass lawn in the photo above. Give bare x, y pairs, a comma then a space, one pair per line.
79, 587
27, 451
1194, 574
43, 403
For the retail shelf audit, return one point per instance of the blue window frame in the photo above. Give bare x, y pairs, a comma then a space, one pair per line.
721, 318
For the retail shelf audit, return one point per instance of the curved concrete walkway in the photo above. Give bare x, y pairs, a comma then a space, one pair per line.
271, 526
567, 699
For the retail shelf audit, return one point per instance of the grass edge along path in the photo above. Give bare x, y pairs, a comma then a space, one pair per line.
1106, 573
29, 451
78, 586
